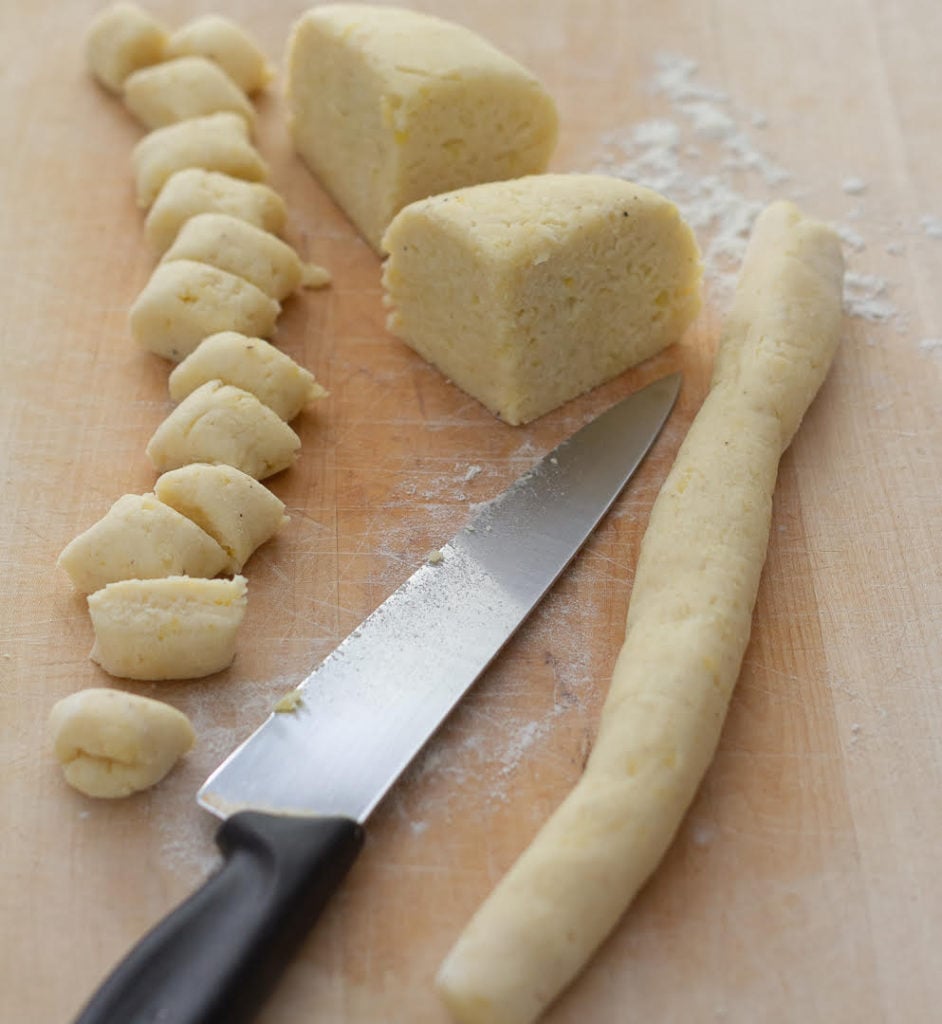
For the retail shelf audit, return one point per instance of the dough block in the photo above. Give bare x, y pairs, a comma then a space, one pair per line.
216, 142
140, 537
224, 425
251, 364
183, 88
194, 191
229, 45
387, 106
527, 293
242, 249
112, 744
239, 513
120, 40
184, 302
174, 628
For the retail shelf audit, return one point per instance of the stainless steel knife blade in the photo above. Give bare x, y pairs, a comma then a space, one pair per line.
295, 794
365, 712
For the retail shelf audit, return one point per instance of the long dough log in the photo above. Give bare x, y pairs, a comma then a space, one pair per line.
688, 626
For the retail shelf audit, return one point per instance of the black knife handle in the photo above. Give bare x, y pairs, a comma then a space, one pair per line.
214, 959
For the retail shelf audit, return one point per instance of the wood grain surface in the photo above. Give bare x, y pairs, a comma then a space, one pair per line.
804, 882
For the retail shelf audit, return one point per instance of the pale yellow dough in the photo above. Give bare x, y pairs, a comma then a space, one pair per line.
526, 293
231, 244
185, 301
238, 512
174, 628
140, 537
216, 142
221, 40
223, 425
193, 191
176, 90
688, 625
388, 105
120, 40
112, 744
251, 364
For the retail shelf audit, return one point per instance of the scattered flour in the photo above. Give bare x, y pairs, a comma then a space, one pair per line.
473, 471
700, 151
854, 186
931, 225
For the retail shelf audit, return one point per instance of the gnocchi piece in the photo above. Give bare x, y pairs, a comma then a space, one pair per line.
239, 513
120, 40
112, 744
221, 424
216, 142
184, 302
249, 252
527, 293
193, 191
387, 106
251, 364
183, 88
140, 537
179, 627
229, 45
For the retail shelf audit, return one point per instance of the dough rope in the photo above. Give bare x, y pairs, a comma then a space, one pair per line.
688, 626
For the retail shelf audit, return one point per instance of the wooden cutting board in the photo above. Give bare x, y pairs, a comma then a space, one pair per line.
803, 884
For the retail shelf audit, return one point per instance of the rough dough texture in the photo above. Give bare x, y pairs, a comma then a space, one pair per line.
183, 88
239, 513
112, 744
229, 45
688, 626
251, 364
217, 142
527, 293
224, 425
120, 40
244, 250
175, 628
185, 301
140, 537
387, 106
194, 191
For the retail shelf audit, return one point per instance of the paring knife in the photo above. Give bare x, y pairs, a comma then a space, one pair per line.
294, 796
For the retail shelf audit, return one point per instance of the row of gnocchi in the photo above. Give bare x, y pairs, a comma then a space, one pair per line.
150, 565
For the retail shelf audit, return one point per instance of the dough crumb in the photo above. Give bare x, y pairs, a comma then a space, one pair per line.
289, 703
435, 557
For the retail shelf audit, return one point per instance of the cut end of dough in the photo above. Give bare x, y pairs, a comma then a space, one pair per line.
174, 628
527, 293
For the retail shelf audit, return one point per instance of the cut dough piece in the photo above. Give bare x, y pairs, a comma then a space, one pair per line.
193, 191
527, 293
183, 88
140, 537
249, 252
229, 45
174, 628
688, 626
217, 142
184, 302
120, 40
235, 510
221, 424
251, 364
387, 106
112, 744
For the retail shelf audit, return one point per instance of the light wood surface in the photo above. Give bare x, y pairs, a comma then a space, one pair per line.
804, 882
